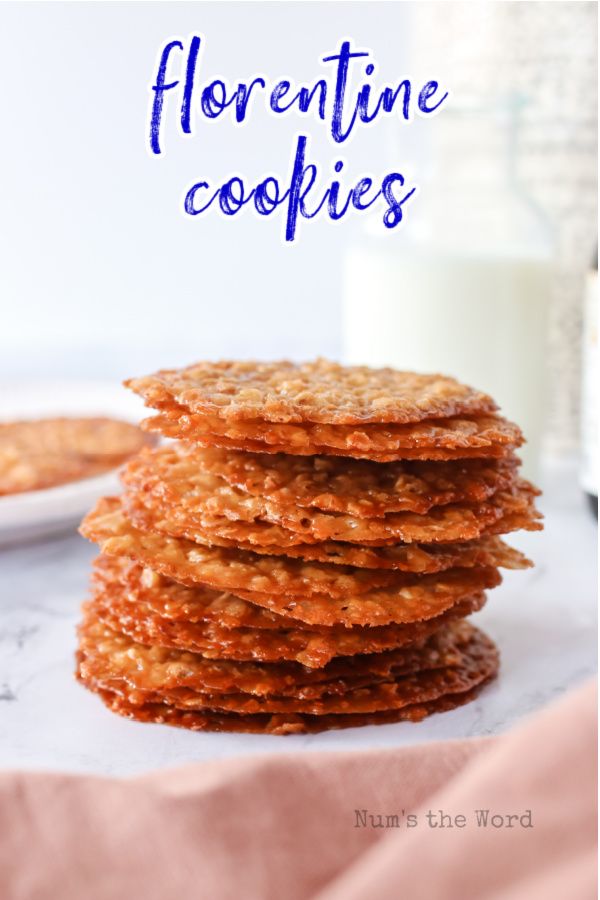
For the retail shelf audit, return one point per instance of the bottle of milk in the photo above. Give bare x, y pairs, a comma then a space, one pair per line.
464, 288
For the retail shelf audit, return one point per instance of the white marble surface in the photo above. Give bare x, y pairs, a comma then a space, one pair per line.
542, 619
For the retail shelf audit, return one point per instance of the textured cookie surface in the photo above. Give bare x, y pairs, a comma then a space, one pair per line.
218, 567
279, 725
414, 557
437, 439
319, 391
157, 611
355, 487
42, 453
418, 599
177, 502
315, 593
107, 655
449, 674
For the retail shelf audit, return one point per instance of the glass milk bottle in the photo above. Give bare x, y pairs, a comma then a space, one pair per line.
463, 287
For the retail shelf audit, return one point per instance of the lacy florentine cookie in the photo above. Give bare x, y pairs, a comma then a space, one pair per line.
475, 662
43, 453
445, 524
265, 723
407, 690
421, 597
191, 504
142, 587
155, 610
312, 646
441, 439
106, 655
354, 487
507, 513
424, 558
319, 391
218, 567
418, 558
313, 593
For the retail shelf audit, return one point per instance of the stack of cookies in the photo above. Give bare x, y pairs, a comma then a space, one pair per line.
305, 553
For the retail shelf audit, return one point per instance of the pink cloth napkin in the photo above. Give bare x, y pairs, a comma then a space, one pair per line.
298, 825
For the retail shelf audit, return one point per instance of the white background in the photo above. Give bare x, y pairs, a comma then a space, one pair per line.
101, 275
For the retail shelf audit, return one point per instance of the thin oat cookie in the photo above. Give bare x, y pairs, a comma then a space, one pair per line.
277, 725
314, 646
217, 567
141, 587
473, 658
153, 609
355, 487
172, 479
420, 597
192, 432
404, 598
319, 391
109, 657
407, 690
202, 504
43, 453
441, 439
425, 558
447, 525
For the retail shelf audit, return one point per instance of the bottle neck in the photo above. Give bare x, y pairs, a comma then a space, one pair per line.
473, 202
478, 150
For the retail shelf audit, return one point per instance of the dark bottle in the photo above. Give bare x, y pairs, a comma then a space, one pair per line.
589, 389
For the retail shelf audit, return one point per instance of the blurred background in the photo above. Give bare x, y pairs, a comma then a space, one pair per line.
102, 277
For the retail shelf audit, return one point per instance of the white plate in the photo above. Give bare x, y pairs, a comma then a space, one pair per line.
36, 514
